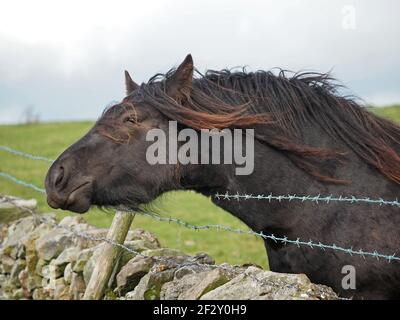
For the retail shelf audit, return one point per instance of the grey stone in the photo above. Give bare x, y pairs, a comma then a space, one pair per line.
3, 279
7, 263
53, 243
3, 232
68, 273
141, 245
199, 266
39, 266
45, 272
31, 259
183, 271
83, 243
51, 271
67, 256
57, 285
56, 271
168, 261
31, 256
45, 282
17, 294
91, 263
18, 266
21, 254
82, 259
23, 277
26, 283
123, 260
29, 282
8, 288
268, 285
77, 286
163, 252
203, 258
131, 273
62, 292
210, 281
149, 286
50, 217
17, 233
42, 294
38, 232
10, 212
174, 289
13, 251
193, 281
140, 234
71, 221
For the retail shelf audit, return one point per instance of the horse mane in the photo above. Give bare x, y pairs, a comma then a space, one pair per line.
278, 106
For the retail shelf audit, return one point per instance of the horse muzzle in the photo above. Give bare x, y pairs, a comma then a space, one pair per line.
68, 192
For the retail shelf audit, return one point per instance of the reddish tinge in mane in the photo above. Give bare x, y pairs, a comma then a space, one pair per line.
282, 105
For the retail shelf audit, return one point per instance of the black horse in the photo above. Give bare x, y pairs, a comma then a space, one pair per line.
309, 139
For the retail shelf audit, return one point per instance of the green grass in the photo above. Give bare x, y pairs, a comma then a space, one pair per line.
390, 112
50, 139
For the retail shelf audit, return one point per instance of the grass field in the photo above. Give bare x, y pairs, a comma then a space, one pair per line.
50, 139
391, 112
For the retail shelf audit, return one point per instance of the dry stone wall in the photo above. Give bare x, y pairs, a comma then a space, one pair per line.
48, 261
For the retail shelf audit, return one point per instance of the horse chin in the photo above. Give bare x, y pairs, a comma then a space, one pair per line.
79, 207
79, 200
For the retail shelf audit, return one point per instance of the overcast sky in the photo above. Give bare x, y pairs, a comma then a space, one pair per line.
66, 59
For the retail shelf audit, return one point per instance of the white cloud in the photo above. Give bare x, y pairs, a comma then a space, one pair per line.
9, 114
68, 56
383, 98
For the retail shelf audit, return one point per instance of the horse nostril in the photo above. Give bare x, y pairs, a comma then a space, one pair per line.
59, 176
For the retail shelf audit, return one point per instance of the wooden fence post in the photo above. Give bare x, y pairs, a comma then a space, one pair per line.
109, 256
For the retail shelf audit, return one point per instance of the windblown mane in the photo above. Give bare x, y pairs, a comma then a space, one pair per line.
281, 105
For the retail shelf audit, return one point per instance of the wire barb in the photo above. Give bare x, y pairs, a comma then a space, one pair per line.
316, 199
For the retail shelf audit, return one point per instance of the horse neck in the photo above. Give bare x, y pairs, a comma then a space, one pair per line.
274, 173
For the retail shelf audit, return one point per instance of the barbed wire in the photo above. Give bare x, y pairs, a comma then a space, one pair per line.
318, 198
25, 154
157, 259
284, 240
22, 182
227, 196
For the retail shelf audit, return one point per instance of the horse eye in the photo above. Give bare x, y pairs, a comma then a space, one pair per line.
130, 119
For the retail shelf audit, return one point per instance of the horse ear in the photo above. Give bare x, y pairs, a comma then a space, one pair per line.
130, 85
179, 84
